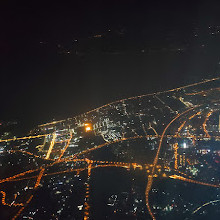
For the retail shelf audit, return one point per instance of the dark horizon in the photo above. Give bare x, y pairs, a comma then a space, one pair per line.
54, 67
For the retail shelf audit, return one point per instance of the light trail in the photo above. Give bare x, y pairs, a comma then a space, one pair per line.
154, 130
203, 92
67, 145
38, 178
60, 142
193, 116
184, 174
29, 153
171, 110
31, 197
181, 126
193, 181
51, 146
207, 203
188, 161
51, 174
7, 204
20, 210
133, 130
176, 155
205, 123
51, 123
24, 138
18, 175
102, 164
150, 177
8, 179
87, 195
108, 164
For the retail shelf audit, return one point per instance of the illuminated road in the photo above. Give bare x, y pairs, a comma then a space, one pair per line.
81, 161
150, 177
207, 203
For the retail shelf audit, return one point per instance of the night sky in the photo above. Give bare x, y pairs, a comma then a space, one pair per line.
52, 66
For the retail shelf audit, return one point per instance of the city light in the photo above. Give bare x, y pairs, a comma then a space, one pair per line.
88, 127
68, 154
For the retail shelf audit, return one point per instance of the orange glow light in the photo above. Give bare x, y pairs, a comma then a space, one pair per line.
88, 127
